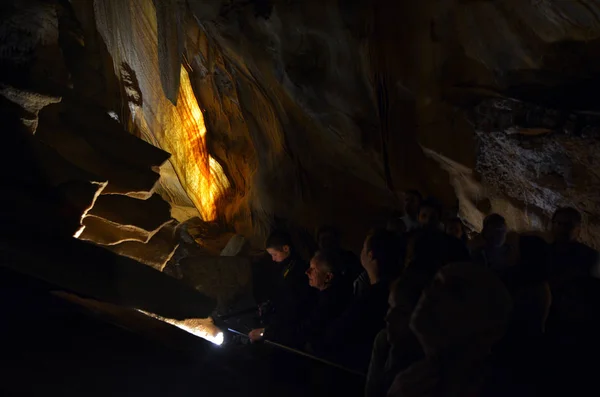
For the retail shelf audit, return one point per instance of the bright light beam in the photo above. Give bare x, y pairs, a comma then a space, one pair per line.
201, 327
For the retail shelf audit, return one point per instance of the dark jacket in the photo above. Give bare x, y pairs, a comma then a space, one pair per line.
349, 338
309, 329
570, 262
330, 304
293, 300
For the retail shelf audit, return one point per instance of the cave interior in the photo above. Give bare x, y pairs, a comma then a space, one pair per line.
151, 145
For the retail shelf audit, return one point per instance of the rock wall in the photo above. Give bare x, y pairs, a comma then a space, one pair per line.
298, 113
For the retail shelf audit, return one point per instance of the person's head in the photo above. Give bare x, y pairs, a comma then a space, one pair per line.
430, 214
566, 224
403, 298
412, 202
279, 246
328, 238
466, 306
455, 228
494, 230
324, 268
380, 254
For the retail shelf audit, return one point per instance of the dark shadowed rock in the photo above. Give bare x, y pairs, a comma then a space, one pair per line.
95, 272
147, 214
155, 252
225, 279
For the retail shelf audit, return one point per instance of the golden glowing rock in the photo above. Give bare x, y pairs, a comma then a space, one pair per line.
202, 175
130, 30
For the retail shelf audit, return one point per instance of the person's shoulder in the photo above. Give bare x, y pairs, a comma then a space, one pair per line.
584, 251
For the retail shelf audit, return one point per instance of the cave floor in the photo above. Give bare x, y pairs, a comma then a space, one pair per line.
53, 347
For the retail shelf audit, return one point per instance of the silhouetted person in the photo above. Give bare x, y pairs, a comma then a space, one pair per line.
328, 239
396, 347
570, 259
490, 249
412, 203
572, 271
429, 248
456, 228
457, 321
519, 359
573, 324
333, 295
350, 337
430, 214
293, 298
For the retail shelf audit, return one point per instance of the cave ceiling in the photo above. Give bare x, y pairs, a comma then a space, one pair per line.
297, 113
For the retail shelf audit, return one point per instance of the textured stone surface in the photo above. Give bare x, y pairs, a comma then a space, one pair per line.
155, 252
321, 112
103, 152
175, 124
227, 279
147, 214
105, 232
236, 246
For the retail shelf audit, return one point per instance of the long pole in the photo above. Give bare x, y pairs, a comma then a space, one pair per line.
301, 353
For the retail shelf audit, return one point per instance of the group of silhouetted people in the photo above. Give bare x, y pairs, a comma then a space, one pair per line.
428, 311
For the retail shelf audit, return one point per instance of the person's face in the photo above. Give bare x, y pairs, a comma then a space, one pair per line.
398, 320
454, 229
327, 241
495, 235
428, 217
411, 204
317, 277
564, 229
279, 255
366, 256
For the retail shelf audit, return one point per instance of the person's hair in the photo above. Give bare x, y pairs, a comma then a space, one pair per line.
326, 229
570, 212
329, 261
432, 203
493, 219
415, 193
278, 239
385, 249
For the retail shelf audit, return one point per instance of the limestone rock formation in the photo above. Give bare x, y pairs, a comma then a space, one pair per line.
301, 113
227, 279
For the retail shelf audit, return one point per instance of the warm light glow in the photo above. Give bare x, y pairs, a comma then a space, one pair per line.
201, 175
79, 231
200, 327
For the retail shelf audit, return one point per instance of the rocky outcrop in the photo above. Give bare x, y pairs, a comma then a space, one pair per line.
65, 148
91, 271
300, 113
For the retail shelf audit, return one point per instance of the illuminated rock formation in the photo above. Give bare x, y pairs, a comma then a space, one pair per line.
301, 113
175, 122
